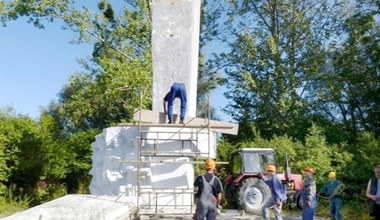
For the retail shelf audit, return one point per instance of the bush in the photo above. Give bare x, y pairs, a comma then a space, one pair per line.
353, 209
45, 192
14, 200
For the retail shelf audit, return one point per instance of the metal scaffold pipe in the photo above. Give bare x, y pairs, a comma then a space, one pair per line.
165, 161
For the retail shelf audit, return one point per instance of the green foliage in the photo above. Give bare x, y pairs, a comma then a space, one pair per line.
20, 146
365, 158
100, 101
351, 83
223, 153
356, 208
301, 79
33, 9
42, 155
121, 59
270, 59
32, 152
108, 91
369, 150
247, 132
208, 79
46, 191
14, 200
80, 145
224, 150
207, 82
54, 155
316, 154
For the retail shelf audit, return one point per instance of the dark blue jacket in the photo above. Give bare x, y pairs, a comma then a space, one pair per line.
277, 188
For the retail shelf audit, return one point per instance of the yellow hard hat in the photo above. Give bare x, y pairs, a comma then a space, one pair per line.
332, 174
210, 164
271, 168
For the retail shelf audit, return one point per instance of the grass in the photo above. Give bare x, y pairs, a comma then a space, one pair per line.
13, 201
8, 207
352, 209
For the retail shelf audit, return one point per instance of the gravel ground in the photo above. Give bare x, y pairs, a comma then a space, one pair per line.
226, 215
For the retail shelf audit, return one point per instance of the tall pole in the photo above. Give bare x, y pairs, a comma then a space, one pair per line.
209, 125
139, 157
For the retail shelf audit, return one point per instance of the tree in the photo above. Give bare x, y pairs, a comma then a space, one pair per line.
322, 156
54, 155
106, 93
206, 83
121, 59
208, 79
20, 150
274, 51
35, 10
120, 67
351, 84
365, 157
79, 144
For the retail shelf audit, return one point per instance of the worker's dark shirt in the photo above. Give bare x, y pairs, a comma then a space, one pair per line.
329, 187
216, 187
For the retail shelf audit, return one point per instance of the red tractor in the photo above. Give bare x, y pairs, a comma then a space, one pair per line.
245, 188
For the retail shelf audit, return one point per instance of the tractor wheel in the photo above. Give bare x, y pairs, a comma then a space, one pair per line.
253, 195
299, 201
294, 200
230, 196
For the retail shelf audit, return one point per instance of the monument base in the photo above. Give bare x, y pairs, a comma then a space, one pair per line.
79, 207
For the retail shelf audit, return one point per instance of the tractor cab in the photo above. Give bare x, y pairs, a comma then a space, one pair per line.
245, 188
251, 161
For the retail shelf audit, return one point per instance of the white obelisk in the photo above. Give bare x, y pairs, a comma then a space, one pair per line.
175, 46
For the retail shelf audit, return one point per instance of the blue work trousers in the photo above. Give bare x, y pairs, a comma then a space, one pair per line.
178, 90
308, 212
276, 209
336, 208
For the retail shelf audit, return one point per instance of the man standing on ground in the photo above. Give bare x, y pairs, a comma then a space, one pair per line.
333, 190
177, 90
209, 193
373, 194
308, 194
278, 193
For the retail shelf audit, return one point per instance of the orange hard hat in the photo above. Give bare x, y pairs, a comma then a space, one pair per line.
210, 164
271, 168
309, 169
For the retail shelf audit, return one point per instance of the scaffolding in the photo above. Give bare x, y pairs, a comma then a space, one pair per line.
156, 147
171, 144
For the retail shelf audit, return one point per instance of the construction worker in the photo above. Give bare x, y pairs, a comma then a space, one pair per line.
209, 193
333, 190
177, 90
373, 194
308, 194
278, 193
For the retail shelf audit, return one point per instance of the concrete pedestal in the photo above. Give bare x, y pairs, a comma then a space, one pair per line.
79, 207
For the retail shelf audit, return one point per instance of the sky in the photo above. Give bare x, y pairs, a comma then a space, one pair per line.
36, 63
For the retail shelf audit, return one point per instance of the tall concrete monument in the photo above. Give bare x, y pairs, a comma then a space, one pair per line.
150, 167
166, 175
175, 49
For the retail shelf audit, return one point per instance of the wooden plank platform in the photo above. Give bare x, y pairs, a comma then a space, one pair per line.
158, 119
